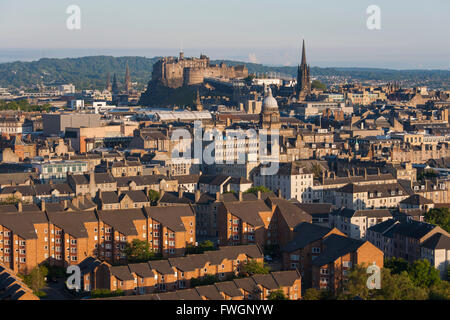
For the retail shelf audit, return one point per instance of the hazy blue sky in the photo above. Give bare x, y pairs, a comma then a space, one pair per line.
414, 33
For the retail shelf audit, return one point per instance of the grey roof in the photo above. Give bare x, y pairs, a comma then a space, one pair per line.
416, 199
286, 278
291, 213
72, 222
141, 269
305, 233
122, 220
336, 246
265, 280
437, 241
210, 292
122, 273
23, 223
248, 211
161, 266
229, 288
170, 216
371, 213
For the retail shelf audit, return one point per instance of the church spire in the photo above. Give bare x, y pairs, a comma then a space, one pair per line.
303, 77
115, 86
127, 80
304, 54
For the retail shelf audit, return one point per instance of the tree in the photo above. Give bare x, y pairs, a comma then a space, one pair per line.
36, 279
316, 84
207, 279
138, 251
206, 245
356, 285
316, 294
423, 274
153, 197
10, 200
440, 217
255, 190
317, 170
277, 295
396, 265
399, 287
252, 267
440, 291
105, 293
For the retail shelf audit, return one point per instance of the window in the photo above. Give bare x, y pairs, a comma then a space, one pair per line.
315, 250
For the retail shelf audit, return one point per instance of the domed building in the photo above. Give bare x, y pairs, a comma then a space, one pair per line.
270, 115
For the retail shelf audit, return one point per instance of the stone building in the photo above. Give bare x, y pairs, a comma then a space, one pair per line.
177, 72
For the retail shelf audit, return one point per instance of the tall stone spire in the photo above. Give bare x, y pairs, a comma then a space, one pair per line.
303, 77
303, 54
108, 83
127, 80
115, 86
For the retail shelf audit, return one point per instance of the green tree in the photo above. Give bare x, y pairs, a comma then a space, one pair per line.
255, 190
252, 267
105, 293
317, 170
207, 279
356, 285
399, 287
153, 196
316, 84
440, 217
138, 251
36, 279
440, 291
396, 265
423, 274
316, 294
10, 200
277, 295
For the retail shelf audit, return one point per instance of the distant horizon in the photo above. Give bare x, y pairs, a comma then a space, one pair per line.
11, 55
411, 34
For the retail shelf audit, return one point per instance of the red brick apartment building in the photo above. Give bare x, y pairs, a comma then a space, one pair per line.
30, 235
167, 275
324, 256
268, 222
256, 287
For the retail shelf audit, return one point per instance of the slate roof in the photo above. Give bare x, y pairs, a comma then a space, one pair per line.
248, 211
122, 220
306, 233
437, 241
335, 247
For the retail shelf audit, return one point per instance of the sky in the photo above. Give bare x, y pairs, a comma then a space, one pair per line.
414, 34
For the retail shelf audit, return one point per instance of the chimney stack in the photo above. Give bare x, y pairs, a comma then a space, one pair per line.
279, 193
19, 206
217, 196
180, 192
259, 195
42, 205
240, 196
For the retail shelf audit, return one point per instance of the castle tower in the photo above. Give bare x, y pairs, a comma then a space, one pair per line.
127, 80
115, 86
303, 77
